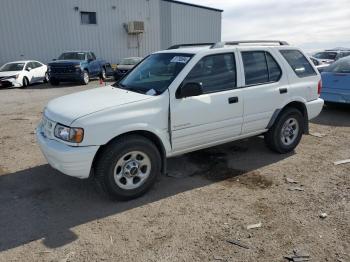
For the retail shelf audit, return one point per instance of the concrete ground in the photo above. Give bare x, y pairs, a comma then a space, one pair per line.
208, 198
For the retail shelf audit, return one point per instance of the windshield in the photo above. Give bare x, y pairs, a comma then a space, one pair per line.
154, 74
341, 66
72, 56
12, 67
326, 55
130, 61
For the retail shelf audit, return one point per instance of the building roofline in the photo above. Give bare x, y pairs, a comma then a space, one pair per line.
193, 5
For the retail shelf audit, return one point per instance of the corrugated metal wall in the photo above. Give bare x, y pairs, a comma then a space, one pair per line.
42, 29
188, 24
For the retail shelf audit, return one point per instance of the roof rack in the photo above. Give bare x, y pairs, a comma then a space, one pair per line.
189, 45
222, 44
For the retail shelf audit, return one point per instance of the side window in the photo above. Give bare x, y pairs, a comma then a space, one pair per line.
37, 64
93, 56
89, 56
275, 71
29, 65
298, 63
260, 67
215, 72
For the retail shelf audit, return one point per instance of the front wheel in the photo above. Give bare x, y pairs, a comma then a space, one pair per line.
25, 83
128, 167
286, 133
85, 78
103, 74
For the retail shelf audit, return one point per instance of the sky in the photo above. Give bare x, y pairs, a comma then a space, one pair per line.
310, 24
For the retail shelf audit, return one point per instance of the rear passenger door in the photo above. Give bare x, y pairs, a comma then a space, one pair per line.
265, 88
217, 114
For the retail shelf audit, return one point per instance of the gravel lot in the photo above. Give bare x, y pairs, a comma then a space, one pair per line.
208, 198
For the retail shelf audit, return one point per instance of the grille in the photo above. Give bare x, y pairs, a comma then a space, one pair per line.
62, 69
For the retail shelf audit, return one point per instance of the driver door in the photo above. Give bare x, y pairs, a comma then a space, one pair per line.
214, 117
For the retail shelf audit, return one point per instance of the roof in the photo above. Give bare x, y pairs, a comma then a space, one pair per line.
194, 5
21, 61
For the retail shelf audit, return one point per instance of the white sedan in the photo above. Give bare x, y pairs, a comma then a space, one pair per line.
22, 73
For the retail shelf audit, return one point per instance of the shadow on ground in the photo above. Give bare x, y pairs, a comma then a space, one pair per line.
334, 115
41, 203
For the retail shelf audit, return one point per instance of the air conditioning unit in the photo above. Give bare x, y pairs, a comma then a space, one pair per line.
136, 27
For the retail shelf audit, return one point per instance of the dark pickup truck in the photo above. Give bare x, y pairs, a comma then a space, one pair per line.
77, 67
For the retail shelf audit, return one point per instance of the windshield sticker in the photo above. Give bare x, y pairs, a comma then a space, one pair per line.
180, 59
151, 92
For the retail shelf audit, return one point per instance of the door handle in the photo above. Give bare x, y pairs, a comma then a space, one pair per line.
283, 90
232, 100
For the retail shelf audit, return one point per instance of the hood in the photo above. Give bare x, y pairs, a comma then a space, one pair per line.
9, 73
125, 67
65, 62
67, 109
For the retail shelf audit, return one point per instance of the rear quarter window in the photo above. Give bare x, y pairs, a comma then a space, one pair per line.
298, 62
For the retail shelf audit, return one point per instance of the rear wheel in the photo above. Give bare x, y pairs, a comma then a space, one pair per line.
286, 133
128, 167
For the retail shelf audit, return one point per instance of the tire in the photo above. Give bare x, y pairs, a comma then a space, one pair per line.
128, 167
25, 82
103, 75
54, 82
46, 78
285, 134
85, 78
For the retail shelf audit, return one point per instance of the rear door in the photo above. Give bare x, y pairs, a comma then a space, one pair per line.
265, 88
217, 115
39, 71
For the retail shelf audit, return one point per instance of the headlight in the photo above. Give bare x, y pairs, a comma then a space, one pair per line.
69, 134
9, 77
77, 67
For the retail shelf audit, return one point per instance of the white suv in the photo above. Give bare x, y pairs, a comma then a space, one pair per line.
177, 101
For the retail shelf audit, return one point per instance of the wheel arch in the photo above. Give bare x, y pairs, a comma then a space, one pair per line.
147, 134
294, 104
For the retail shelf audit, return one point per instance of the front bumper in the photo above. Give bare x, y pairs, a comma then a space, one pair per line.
9, 83
314, 108
72, 161
73, 76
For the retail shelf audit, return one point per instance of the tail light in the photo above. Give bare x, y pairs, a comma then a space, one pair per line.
319, 87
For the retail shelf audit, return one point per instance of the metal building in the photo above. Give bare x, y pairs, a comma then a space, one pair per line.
113, 29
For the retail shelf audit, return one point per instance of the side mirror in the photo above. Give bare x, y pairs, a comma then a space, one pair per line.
189, 89
54, 59
28, 69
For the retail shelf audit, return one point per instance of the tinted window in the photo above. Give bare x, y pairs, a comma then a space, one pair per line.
72, 56
30, 65
93, 56
275, 71
215, 72
260, 67
89, 56
341, 66
88, 18
325, 55
37, 64
298, 62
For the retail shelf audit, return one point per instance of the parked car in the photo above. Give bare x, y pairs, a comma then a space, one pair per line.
330, 56
177, 101
319, 65
77, 67
22, 73
125, 66
336, 82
